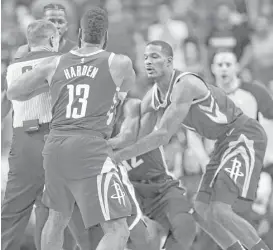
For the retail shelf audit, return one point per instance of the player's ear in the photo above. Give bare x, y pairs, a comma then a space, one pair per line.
79, 37
212, 67
170, 60
105, 40
51, 41
237, 67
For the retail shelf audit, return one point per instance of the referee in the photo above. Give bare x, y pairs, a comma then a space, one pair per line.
30, 124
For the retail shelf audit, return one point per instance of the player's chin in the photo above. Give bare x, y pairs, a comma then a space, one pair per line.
151, 74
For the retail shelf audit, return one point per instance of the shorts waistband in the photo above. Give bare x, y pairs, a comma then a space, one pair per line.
77, 132
238, 123
241, 120
156, 179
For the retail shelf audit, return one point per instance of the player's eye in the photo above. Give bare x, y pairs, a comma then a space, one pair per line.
145, 57
220, 64
228, 64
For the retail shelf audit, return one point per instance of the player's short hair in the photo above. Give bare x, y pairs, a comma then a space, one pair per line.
39, 31
165, 47
54, 6
94, 25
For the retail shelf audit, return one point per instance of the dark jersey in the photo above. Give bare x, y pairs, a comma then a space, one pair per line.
210, 116
84, 95
147, 166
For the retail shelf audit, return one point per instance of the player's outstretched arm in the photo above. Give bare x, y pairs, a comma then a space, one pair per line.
33, 82
129, 128
122, 72
183, 95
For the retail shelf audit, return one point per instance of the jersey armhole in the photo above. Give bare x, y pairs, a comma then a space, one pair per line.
199, 99
50, 77
110, 59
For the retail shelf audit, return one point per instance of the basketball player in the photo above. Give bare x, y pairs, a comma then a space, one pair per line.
85, 87
159, 193
56, 14
235, 166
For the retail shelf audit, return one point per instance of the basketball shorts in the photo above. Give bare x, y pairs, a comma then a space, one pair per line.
78, 169
234, 169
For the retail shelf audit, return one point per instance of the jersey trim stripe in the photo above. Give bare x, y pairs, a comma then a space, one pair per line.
165, 163
110, 59
76, 53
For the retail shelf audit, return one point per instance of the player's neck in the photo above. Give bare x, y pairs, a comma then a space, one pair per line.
163, 83
88, 47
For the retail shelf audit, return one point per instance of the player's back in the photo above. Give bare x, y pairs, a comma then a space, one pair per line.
84, 95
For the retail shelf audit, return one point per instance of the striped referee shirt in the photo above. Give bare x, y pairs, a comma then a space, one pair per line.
38, 107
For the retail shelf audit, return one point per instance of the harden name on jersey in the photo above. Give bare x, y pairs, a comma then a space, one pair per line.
81, 70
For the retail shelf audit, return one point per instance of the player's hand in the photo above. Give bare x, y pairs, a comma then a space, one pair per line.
111, 153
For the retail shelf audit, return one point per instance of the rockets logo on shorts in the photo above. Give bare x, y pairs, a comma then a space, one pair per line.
238, 161
119, 193
112, 196
235, 170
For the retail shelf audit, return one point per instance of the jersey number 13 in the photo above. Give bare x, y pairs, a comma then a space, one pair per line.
81, 90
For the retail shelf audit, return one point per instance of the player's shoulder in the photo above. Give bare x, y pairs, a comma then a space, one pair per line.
21, 51
190, 81
121, 61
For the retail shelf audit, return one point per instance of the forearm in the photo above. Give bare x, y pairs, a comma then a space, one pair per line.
142, 146
122, 140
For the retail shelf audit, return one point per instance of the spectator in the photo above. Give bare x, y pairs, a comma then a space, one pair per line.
260, 52
224, 34
193, 56
171, 31
121, 30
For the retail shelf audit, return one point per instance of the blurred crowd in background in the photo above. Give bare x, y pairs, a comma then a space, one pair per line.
196, 29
